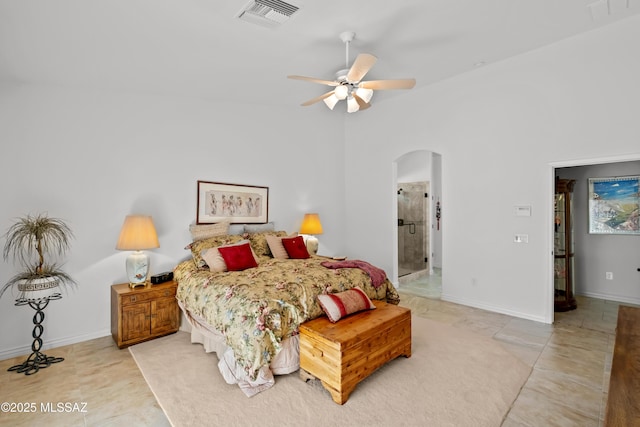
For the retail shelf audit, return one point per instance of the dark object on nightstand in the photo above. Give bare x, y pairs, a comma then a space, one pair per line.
161, 277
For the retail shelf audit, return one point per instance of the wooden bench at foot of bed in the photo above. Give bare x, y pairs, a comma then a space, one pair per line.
344, 353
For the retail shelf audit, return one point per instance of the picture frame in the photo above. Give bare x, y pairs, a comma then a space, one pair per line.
239, 204
614, 205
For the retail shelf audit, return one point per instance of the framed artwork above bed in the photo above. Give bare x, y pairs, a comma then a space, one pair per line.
245, 204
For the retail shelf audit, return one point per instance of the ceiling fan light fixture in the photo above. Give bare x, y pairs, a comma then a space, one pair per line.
364, 94
352, 105
331, 101
349, 84
341, 91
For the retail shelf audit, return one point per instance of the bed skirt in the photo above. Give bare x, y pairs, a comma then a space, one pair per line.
213, 341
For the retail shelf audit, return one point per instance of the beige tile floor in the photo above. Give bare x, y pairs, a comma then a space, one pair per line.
568, 384
95, 372
422, 283
570, 360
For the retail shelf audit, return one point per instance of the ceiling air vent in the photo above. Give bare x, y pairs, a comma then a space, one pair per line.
269, 13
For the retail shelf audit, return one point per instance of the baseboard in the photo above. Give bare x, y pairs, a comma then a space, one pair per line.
493, 308
609, 297
26, 350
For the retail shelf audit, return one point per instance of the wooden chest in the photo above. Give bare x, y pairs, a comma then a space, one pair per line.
344, 353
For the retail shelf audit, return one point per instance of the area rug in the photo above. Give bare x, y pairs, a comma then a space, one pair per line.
453, 378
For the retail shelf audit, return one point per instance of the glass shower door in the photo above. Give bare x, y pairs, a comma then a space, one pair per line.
412, 227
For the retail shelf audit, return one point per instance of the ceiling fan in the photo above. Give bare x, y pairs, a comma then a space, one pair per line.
348, 83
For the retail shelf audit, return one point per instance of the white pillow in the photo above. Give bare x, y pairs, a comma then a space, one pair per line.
204, 231
259, 228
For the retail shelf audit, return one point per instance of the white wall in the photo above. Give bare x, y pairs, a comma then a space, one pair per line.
414, 167
499, 129
95, 157
596, 254
91, 158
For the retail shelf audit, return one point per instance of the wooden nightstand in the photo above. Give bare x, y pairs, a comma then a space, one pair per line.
141, 314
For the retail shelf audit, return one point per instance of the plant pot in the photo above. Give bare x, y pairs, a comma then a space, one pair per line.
40, 288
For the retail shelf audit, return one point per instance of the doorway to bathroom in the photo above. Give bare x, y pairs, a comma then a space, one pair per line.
418, 252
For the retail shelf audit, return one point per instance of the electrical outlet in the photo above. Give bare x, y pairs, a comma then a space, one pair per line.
608, 275
521, 238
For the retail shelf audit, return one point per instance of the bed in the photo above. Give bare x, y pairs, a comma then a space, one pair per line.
250, 317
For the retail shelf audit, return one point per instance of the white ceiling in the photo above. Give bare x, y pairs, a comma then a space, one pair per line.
199, 48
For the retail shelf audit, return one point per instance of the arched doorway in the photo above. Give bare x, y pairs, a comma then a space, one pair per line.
418, 232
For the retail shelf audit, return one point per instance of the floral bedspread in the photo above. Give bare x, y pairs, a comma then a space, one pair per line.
259, 307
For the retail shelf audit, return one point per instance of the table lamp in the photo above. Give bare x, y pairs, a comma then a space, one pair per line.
311, 225
137, 233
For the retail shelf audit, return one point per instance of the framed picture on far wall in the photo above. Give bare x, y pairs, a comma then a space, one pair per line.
239, 204
613, 205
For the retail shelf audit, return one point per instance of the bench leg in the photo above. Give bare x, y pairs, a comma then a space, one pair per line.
340, 397
407, 351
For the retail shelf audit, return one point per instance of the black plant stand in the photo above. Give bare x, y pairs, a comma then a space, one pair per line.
36, 360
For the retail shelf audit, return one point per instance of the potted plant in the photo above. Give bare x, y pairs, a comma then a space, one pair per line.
29, 240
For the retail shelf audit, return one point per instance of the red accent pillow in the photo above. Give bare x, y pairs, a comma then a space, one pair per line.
238, 257
295, 247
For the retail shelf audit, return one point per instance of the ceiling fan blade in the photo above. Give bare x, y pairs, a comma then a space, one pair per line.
361, 102
314, 80
388, 84
317, 99
360, 67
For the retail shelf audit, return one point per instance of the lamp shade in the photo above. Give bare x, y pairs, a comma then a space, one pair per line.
365, 94
331, 101
352, 105
341, 91
311, 224
137, 233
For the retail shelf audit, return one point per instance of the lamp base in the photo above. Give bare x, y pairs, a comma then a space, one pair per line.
312, 245
137, 268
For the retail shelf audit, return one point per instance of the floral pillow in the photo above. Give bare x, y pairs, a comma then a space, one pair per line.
259, 241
